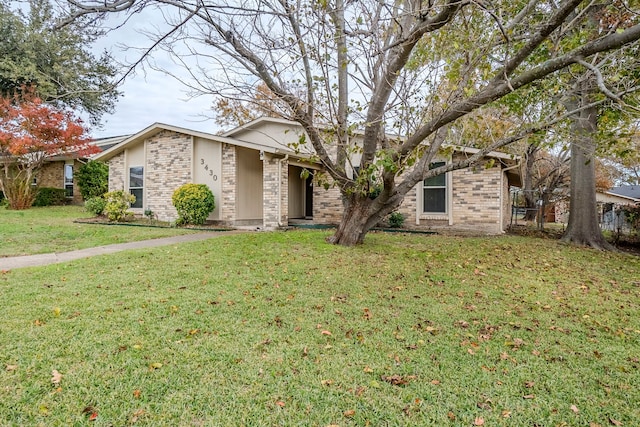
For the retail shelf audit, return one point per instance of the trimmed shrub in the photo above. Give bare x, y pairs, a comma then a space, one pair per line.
95, 205
93, 179
194, 203
117, 205
396, 220
46, 196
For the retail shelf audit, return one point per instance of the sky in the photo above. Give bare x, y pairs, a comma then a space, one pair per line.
149, 96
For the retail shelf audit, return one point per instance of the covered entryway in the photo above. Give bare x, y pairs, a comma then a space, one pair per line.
300, 194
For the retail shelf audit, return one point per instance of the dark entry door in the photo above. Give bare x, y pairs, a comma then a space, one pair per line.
308, 194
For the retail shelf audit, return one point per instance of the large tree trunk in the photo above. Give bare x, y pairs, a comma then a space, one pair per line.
529, 198
583, 228
358, 218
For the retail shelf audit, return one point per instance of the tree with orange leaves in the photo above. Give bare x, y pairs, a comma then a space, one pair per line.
30, 132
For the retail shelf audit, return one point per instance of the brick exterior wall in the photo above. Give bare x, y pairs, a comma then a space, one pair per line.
476, 198
51, 175
327, 205
275, 189
116, 172
228, 205
476, 203
168, 166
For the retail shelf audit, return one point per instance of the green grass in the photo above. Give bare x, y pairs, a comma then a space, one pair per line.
424, 330
52, 229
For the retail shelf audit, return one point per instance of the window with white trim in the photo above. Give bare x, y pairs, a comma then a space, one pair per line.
68, 180
136, 185
434, 192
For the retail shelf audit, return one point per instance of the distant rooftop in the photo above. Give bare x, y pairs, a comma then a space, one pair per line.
107, 142
632, 191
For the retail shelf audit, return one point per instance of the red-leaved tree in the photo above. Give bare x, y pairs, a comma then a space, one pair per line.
30, 132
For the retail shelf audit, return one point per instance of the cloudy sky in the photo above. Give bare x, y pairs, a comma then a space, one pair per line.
149, 96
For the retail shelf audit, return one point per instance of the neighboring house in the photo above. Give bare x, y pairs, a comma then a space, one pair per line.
58, 171
611, 217
257, 179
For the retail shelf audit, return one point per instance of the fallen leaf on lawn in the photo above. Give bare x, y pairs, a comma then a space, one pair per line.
479, 421
326, 333
575, 409
280, 403
435, 382
367, 314
396, 379
349, 413
11, 368
462, 324
90, 412
615, 422
506, 414
529, 384
326, 382
367, 369
136, 415
156, 365
451, 416
529, 396
56, 377
137, 393
56, 311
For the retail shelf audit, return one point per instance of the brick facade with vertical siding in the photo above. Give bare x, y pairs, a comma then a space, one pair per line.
479, 195
168, 167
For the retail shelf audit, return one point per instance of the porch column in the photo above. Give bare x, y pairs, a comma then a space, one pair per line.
275, 209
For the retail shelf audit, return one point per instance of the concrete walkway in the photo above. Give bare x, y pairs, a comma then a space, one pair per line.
11, 263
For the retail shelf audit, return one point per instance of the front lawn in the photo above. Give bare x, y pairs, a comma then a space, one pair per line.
52, 229
270, 329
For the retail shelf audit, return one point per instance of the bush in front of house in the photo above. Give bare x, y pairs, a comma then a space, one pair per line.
632, 214
93, 179
117, 205
396, 220
194, 203
95, 205
46, 196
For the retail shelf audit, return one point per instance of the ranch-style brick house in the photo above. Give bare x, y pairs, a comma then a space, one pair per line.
257, 179
58, 171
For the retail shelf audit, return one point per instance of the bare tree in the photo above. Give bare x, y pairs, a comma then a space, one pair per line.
406, 68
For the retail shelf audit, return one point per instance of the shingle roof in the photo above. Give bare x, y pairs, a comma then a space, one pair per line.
627, 191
